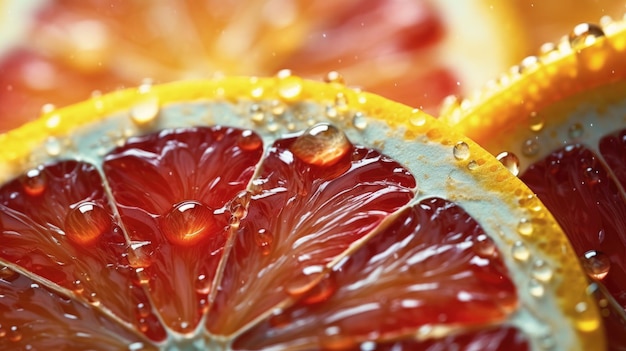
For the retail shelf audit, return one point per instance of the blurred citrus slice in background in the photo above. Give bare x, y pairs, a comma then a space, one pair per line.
278, 214
413, 51
559, 120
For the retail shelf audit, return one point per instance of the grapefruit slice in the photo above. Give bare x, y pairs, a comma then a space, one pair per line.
560, 124
416, 52
276, 214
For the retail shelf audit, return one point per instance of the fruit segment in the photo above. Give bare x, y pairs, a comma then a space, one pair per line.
36, 318
57, 224
302, 216
428, 272
174, 191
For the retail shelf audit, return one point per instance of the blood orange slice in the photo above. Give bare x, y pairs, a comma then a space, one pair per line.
277, 214
415, 52
560, 122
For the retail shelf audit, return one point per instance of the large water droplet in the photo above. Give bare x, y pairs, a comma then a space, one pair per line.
461, 151
525, 227
484, 246
321, 145
304, 281
86, 222
520, 251
188, 222
542, 271
34, 182
145, 111
597, 264
249, 140
584, 34
510, 161
290, 88
359, 121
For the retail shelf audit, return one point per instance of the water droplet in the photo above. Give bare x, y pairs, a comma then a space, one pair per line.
7, 274
334, 77
53, 146
525, 227
541, 271
304, 281
86, 222
510, 161
34, 182
139, 254
575, 131
290, 88
530, 147
257, 114
547, 342
529, 63
93, 299
535, 288
53, 122
264, 240
78, 287
277, 107
461, 151
472, 165
484, 246
145, 111
321, 145
334, 339
520, 251
188, 222
586, 320
257, 92
143, 310
341, 102
359, 121
249, 140
203, 284
14, 334
536, 122
417, 118
592, 176
585, 34
283, 73
597, 264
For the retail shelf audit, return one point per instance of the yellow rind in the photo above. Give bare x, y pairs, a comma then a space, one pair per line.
491, 178
554, 76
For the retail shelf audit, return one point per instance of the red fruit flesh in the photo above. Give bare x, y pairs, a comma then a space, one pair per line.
301, 217
212, 231
432, 267
585, 195
35, 237
172, 190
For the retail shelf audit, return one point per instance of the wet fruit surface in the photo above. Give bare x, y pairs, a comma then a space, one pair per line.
256, 250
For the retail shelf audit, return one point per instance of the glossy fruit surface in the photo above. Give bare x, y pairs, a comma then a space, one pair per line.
275, 213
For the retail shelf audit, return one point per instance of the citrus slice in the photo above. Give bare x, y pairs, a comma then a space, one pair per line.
277, 214
415, 52
558, 121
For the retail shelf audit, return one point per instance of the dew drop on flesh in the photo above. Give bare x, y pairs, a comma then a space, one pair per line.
530, 147
484, 246
14, 334
596, 264
520, 251
359, 121
525, 227
203, 284
542, 271
249, 141
575, 131
321, 145
334, 77
510, 161
86, 222
264, 240
536, 288
188, 222
461, 151
34, 182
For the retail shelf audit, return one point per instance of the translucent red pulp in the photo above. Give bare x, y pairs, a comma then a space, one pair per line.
202, 233
586, 196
